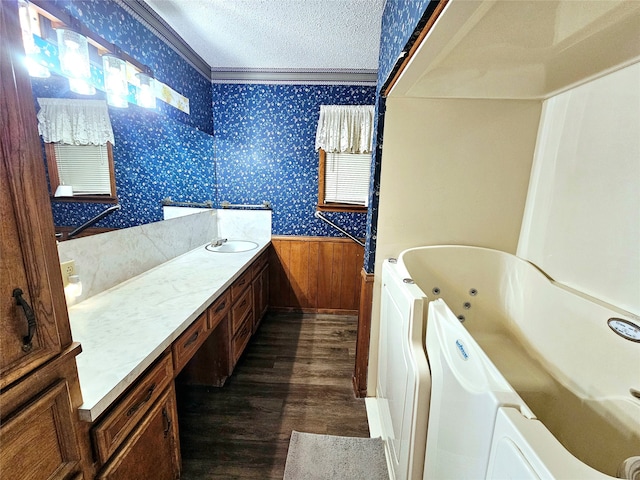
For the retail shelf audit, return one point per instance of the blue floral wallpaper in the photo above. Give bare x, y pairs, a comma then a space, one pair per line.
264, 148
114, 24
401, 21
154, 157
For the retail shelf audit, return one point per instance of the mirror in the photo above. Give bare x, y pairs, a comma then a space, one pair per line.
154, 157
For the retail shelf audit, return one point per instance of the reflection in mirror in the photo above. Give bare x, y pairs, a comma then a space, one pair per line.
78, 142
154, 157
158, 153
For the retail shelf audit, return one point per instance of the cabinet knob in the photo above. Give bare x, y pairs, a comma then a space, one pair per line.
27, 344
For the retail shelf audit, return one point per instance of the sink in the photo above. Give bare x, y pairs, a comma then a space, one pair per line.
233, 246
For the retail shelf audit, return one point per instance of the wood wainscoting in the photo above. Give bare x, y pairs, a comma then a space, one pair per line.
315, 274
364, 331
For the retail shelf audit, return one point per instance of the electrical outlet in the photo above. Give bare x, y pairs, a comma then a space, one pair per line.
68, 269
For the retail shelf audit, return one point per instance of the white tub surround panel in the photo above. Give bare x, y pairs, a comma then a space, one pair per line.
124, 329
454, 171
582, 219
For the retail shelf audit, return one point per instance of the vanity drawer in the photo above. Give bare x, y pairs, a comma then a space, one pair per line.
241, 338
218, 310
189, 342
240, 284
259, 264
240, 309
111, 432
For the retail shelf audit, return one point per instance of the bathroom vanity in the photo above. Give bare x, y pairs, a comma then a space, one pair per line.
194, 313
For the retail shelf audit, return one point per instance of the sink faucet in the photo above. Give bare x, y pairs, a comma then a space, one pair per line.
216, 242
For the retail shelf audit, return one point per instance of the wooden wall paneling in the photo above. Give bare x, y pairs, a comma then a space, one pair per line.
337, 265
364, 330
299, 274
350, 288
315, 274
279, 288
325, 268
313, 268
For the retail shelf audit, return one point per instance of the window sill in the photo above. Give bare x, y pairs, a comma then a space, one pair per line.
341, 207
86, 199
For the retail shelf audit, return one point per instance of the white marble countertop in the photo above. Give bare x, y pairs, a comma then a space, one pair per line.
124, 329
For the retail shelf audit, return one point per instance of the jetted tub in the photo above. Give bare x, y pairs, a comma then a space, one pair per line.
553, 345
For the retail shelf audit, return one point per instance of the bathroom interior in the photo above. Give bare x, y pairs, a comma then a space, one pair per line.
504, 189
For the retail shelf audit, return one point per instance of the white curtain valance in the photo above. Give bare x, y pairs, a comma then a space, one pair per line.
74, 122
345, 128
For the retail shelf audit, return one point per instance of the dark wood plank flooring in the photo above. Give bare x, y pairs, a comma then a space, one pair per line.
294, 375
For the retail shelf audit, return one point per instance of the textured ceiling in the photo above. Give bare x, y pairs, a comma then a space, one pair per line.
278, 34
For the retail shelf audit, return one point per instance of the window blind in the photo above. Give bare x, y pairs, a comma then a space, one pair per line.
347, 178
85, 167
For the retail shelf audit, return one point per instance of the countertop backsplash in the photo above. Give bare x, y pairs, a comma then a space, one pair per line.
108, 259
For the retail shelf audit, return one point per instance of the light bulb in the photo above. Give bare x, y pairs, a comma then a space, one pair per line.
30, 48
73, 53
146, 93
115, 80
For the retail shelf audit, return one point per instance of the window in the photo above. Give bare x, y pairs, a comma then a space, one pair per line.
87, 169
78, 147
343, 139
344, 181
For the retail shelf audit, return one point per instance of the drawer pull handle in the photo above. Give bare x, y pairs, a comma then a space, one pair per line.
167, 422
242, 282
27, 345
244, 302
193, 338
220, 307
137, 406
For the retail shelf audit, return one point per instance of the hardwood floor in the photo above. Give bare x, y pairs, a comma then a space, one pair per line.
295, 375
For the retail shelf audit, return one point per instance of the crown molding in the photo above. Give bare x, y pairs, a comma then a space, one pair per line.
142, 12
150, 19
295, 76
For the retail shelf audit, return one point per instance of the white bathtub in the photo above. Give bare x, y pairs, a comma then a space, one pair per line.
553, 346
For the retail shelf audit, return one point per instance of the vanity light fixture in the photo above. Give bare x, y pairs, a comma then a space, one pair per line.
73, 53
27, 24
115, 80
147, 91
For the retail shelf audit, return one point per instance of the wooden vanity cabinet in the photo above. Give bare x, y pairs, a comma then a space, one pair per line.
190, 341
125, 416
260, 286
138, 436
38, 423
153, 449
234, 318
39, 389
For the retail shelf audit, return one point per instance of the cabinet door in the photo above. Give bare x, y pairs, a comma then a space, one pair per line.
38, 440
153, 450
34, 326
260, 295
